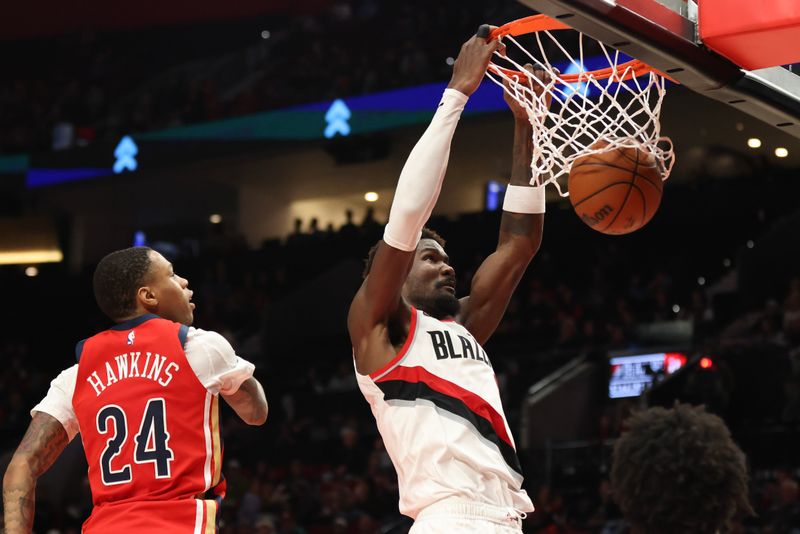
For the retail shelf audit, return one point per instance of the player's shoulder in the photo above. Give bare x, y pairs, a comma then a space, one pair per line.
207, 338
66, 378
72, 370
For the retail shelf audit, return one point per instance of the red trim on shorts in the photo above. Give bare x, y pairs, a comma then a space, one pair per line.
476, 404
412, 330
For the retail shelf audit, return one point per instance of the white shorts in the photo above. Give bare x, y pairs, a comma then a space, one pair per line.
456, 516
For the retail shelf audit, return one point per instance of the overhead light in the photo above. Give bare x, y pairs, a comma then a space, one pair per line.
701, 280
26, 257
31, 271
781, 152
450, 61
215, 218
265, 34
371, 196
750, 243
676, 308
29, 240
754, 142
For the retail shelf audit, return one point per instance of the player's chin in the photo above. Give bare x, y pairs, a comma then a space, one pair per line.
189, 316
446, 293
447, 304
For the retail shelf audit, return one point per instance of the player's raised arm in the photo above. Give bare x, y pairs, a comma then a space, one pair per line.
44, 441
520, 236
378, 302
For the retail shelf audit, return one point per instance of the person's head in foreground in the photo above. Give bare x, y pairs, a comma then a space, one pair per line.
431, 283
678, 471
138, 280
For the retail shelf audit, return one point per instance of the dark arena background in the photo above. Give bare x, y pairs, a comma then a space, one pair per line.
257, 145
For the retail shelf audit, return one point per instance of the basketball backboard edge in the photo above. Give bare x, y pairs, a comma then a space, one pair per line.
665, 39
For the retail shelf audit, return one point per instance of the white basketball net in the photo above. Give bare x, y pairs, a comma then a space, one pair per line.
624, 114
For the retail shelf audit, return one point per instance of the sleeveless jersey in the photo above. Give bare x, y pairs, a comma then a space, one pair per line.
150, 430
438, 409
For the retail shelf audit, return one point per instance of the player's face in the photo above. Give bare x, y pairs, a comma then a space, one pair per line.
431, 283
171, 292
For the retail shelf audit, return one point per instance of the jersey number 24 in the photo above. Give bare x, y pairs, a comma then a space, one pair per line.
151, 441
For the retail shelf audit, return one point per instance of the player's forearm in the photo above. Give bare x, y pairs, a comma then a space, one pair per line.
421, 178
522, 152
522, 222
43, 442
250, 402
19, 492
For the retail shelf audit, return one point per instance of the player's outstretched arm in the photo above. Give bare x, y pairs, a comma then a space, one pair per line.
520, 236
43, 442
378, 303
249, 402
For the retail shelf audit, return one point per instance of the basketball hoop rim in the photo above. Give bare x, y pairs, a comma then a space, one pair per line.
539, 23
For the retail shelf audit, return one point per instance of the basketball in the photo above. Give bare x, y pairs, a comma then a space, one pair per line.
615, 192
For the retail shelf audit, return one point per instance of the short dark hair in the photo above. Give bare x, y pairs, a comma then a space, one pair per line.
117, 278
427, 233
678, 470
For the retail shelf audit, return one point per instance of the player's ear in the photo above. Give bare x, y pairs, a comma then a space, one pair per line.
147, 296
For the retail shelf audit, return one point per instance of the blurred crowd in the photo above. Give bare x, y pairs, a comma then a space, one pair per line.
318, 465
69, 91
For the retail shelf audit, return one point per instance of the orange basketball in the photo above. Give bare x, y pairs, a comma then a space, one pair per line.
615, 192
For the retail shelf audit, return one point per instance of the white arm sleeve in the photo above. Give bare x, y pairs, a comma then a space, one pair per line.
215, 362
58, 401
421, 179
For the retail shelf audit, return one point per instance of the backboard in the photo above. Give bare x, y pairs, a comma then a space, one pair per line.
663, 33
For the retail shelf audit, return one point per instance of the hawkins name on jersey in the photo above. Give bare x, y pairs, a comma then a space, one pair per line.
151, 366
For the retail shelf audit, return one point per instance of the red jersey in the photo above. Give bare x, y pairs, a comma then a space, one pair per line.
150, 430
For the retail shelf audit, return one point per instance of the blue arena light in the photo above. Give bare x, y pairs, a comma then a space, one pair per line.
336, 117
139, 239
569, 89
125, 155
494, 192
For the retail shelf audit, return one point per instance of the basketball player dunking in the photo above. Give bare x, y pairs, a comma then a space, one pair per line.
144, 397
417, 347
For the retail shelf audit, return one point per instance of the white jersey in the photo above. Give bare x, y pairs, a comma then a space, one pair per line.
438, 409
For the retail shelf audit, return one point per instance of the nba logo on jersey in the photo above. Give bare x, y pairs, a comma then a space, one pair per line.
131, 336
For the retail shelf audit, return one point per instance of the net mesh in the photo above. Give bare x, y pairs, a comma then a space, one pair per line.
590, 113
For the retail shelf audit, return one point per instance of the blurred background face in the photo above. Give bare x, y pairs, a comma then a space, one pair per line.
172, 291
431, 283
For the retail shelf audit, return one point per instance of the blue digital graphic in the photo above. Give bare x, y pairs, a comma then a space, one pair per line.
125, 153
38, 177
571, 88
336, 117
139, 239
355, 115
494, 192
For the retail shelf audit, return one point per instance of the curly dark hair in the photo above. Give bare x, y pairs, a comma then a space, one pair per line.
427, 233
679, 471
117, 278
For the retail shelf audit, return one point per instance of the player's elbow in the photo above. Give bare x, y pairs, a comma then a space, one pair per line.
258, 415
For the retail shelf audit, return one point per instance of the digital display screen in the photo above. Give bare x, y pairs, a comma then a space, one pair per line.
340, 117
632, 374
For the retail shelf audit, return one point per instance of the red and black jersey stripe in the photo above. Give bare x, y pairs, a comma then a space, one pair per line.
415, 383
